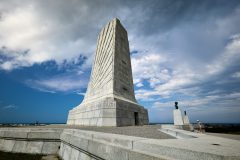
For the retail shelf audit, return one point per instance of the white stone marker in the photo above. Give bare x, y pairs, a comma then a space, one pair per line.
177, 115
110, 99
186, 119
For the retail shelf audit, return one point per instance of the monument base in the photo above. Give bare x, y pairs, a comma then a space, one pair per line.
108, 111
186, 119
177, 117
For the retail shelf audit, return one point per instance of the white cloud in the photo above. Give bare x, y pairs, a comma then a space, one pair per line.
187, 66
236, 75
27, 28
56, 30
11, 106
230, 55
183, 78
225, 100
139, 85
146, 94
147, 65
63, 83
40, 88
21, 29
81, 93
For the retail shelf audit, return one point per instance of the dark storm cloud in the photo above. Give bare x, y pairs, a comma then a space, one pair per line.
164, 15
198, 31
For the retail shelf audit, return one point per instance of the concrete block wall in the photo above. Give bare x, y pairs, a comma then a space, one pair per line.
99, 146
77, 144
23, 140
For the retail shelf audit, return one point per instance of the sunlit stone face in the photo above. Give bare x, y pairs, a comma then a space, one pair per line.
111, 72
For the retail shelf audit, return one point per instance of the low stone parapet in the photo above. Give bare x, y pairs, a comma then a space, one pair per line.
29, 140
82, 144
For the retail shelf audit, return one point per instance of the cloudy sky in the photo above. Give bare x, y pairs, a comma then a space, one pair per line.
185, 51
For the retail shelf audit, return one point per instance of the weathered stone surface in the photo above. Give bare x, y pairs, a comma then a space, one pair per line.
116, 140
175, 133
75, 140
14, 133
20, 146
61, 151
67, 152
200, 147
34, 147
50, 147
7, 145
142, 156
107, 151
30, 140
74, 154
110, 99
84, 156
44, 134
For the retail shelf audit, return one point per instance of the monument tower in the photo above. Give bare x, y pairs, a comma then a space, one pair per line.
110, 98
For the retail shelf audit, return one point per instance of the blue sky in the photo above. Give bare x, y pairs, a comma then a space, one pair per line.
186, 51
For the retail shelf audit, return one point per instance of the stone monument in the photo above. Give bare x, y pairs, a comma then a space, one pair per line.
187, 125
177, 115
185, 118
110, 98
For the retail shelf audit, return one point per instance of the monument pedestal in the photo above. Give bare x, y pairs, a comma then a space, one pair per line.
177, 117
187, 123
186, 120
108, 111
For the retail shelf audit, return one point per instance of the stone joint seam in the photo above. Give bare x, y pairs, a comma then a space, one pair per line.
31, 139
82, 150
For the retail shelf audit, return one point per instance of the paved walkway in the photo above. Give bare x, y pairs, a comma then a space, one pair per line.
148, 131
229, 136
